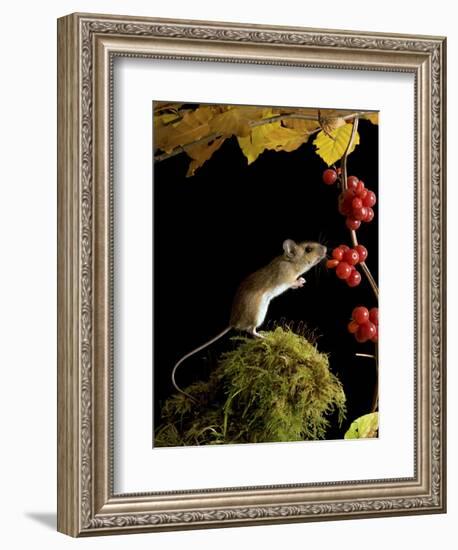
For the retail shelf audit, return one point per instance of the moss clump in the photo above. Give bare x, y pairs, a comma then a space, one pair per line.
278, 388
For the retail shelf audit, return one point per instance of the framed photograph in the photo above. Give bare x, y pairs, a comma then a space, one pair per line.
251, 284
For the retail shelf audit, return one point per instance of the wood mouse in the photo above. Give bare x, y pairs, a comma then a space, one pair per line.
254, 294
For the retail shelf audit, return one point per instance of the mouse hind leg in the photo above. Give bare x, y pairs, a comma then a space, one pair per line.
255, 333
250, 313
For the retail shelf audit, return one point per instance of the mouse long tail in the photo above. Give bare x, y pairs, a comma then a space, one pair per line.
200, 348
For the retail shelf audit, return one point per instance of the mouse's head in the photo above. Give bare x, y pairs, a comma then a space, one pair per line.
304, 255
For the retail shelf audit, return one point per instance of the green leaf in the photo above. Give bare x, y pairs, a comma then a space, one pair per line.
332, 146
363, 427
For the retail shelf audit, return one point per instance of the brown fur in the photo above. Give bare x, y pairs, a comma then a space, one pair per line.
270, 281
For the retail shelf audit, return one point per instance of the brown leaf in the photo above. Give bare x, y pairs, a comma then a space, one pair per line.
329, 124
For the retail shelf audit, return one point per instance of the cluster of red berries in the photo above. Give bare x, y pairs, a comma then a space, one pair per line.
344, 259
364, 324
356, 203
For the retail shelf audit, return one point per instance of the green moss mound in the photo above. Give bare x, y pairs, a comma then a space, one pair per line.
278, 388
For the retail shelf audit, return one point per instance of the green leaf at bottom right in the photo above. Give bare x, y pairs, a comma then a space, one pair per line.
363, 427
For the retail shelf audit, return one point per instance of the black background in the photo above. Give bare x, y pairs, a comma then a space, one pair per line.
230, 219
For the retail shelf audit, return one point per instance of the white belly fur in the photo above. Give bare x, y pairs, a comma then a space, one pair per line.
264, 305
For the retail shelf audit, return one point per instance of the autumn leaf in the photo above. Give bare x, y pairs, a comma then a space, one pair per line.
329, 124
363, 427
166, 118
193, 126
372, 117
301, 125
200, 153
272, 136
166, 106
333, 146
237, 120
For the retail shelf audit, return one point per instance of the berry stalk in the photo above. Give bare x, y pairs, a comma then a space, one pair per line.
366, 270
355, 203
354, 238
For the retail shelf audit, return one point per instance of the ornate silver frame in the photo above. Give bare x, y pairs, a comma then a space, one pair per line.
87, 44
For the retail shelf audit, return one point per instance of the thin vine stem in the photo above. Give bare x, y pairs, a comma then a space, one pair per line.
374, 406
353, 236
366, 270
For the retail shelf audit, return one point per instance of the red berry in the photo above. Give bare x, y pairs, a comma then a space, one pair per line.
362, 252
373, 315
360, 214
352, 224
369, 215
360, 314
359, 335
331, 264
366, 331
370, 199
352, 182
356, 203
343, 270
329, 176
345, 204
337, 253
352, 327
360, 186
375, 337
351, 257
344, 247
354, 279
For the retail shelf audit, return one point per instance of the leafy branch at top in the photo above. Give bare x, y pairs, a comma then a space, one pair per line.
200, 131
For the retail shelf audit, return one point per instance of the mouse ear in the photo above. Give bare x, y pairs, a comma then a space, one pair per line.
289, 246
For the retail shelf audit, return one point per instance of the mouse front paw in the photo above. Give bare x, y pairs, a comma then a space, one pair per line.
298, 283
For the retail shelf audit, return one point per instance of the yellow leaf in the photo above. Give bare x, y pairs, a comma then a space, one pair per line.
166, 106
200, 153
307, 111
301, 125
166, 118
331, 149
270, 136
373, 117
237, 120
193, 126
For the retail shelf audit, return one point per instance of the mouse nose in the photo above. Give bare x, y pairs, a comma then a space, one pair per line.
323, 249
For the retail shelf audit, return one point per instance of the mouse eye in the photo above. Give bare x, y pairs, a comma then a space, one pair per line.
308, 249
